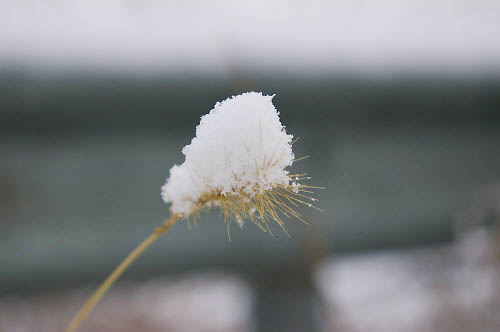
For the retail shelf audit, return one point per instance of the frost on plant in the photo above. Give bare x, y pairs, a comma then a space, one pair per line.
238, 162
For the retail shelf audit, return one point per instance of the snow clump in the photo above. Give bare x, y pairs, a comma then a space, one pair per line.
241, 149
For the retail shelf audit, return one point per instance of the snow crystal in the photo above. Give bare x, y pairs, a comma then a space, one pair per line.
240, 148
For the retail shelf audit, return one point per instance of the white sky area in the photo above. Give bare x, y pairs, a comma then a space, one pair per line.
460, 36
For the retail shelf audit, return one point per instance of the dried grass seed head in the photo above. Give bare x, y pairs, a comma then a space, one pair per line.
237, 162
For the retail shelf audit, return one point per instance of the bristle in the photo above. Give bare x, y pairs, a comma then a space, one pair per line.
264, 207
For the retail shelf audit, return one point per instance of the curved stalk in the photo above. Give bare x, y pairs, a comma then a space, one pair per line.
118, 271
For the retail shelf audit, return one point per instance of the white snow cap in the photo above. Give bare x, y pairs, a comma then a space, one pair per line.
241, 148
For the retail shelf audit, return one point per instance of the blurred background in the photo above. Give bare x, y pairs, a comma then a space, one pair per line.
397, 103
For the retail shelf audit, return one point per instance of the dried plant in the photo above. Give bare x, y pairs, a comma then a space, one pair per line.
238, 163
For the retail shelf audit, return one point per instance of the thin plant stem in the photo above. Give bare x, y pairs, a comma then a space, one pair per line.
118, 271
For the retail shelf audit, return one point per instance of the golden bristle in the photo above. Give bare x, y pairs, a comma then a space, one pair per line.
264, 207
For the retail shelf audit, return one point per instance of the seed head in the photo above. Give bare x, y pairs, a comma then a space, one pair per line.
237, 162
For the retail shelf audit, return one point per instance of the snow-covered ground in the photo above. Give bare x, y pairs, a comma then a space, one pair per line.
448, 288
210, 301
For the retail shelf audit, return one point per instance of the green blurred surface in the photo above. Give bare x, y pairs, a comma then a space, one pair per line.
83, 158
